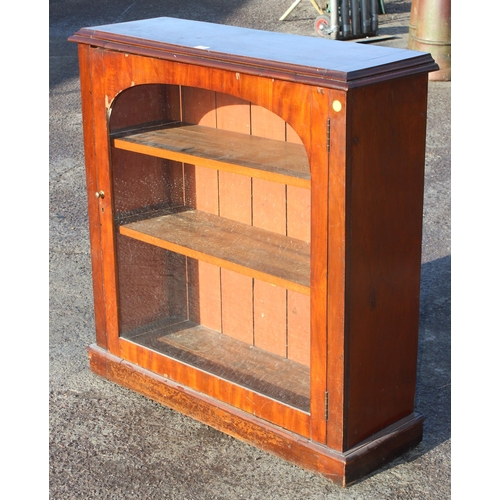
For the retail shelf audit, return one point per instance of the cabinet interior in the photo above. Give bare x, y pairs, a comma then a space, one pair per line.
212, 217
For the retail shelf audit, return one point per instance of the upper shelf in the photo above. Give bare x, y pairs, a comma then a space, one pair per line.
276, 161
248, 250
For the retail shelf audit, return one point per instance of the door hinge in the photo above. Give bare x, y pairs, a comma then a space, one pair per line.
328, 135
326, 405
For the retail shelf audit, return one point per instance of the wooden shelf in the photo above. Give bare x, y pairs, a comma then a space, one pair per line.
253, 156
268, 374
251, 251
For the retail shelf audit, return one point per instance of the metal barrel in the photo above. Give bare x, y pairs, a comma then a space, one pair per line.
433, 34
412, 27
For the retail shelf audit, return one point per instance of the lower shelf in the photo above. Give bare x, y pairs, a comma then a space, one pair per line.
341, 467
263, 372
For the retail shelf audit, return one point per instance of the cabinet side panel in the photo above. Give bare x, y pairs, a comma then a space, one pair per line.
387, 180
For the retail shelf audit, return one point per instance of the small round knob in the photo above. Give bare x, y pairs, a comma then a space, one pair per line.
99, 194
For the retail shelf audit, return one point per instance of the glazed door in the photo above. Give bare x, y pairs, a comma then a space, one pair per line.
206, 235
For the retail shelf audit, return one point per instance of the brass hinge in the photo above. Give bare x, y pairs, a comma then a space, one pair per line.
326, 405
328, 135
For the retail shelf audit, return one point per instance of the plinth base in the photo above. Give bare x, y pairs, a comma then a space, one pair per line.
342, 468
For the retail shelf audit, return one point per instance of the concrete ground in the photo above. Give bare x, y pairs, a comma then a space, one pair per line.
109, 443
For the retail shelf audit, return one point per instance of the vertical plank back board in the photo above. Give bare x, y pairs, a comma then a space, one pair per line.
202, 193
269, 212
235, 199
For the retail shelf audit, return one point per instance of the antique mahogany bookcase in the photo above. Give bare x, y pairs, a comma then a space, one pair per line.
255, 208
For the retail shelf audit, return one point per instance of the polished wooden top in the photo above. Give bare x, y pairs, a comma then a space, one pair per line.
331, 63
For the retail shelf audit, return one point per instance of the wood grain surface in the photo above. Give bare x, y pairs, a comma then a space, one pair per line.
249, 250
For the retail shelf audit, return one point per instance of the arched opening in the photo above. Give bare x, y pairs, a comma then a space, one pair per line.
219, 286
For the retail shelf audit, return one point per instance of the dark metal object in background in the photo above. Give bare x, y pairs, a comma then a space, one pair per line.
346, 21
365, 17
349, 19
374, 15
356, 24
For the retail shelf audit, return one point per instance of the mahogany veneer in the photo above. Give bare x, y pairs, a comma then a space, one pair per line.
255, 208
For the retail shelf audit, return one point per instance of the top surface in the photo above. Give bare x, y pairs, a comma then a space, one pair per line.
318, 56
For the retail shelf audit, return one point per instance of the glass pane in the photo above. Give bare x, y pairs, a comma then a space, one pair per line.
213, 266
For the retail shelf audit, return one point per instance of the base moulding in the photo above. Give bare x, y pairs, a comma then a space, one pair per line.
343, 468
